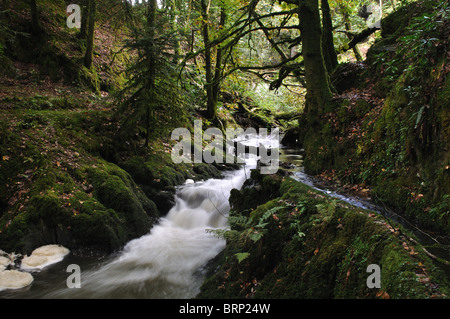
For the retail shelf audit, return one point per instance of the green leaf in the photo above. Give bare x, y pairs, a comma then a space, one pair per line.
241, 256
419, 116
255, 236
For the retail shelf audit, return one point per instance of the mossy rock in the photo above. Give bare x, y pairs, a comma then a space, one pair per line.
395, 23
48, 219
116, 190
164, 200
256, 190
346, 76
329, 260
137, 168
96, 226
156, 172
205, 171
44, 221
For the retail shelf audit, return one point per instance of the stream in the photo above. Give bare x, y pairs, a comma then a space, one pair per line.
171, 261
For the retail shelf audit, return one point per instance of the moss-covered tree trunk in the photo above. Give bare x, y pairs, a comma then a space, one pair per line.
210, 105
329, 53
315, 137
348, 27
89, 55
84, 19
318, 98
173, 15
213, 72
218, 68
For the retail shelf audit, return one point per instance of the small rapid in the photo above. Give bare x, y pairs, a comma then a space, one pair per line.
170, 261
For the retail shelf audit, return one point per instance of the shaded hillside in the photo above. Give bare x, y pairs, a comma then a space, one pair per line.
69, 173
389, 134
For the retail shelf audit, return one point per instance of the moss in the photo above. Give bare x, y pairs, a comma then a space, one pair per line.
317, 149
13, 234
137, 168
116, 190
329, 259
43, 222
205, 171
394, 23
251, 197
157, 172
89, 78
96, 226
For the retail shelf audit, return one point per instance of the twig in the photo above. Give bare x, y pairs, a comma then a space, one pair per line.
441, 260
216, 207
413, 226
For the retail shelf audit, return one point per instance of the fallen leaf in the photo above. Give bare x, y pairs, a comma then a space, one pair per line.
383, 295
316, 251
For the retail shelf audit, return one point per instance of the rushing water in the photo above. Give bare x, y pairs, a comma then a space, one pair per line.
168, 262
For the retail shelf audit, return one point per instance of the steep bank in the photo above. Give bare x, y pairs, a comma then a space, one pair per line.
66, 178
303, 244
69, 174
388, 133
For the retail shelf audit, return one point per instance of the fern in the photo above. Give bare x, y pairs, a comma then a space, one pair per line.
241, 256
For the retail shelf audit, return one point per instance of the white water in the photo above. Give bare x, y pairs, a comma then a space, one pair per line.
169, 261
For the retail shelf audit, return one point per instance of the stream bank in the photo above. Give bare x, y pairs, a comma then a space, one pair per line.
288, 240
67, 178
388, 130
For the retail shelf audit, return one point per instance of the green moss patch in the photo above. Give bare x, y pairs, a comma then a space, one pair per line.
303, 244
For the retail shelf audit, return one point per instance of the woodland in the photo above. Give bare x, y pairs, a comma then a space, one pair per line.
360, 88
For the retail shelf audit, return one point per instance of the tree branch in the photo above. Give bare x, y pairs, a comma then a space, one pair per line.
359, 38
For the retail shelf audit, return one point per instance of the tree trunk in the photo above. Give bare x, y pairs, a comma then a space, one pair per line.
329, 53
89, 55
173, 15
218, 68
318, 98
84, 20
211, 110
151, 24
35, 25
